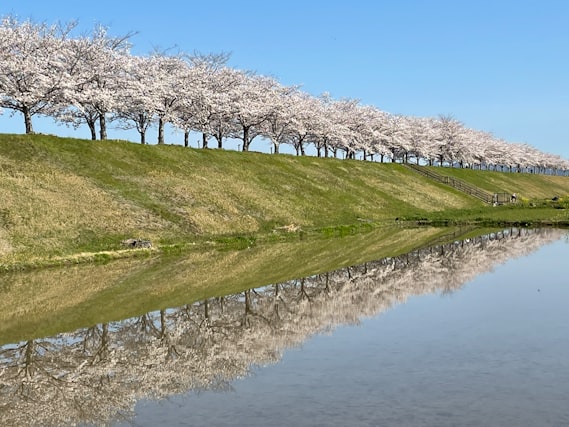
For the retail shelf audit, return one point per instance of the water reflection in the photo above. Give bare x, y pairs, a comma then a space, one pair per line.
97, 374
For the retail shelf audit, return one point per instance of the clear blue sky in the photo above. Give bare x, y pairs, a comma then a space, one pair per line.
497, 65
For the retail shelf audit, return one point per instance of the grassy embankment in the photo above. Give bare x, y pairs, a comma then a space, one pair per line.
67, 200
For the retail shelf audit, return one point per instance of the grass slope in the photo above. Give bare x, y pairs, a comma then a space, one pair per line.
526, 186
63, 197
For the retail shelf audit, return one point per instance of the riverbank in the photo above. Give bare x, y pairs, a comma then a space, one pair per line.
67, 200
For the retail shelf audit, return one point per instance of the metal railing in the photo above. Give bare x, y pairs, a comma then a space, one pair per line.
485, 196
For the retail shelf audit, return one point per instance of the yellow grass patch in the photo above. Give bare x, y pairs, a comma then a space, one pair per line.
422, 194
5, 246
44, 209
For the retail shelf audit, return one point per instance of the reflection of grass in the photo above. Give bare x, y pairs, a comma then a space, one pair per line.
47, 301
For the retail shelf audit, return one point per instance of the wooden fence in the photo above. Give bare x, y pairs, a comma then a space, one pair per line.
485, 196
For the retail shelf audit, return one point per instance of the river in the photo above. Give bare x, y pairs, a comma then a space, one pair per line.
467, 333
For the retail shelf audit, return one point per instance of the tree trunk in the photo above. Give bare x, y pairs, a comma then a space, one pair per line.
204, 140
102, 127
247, 302
105, 342
186, 138
142, 137
163, 327
160, 131
206, 309
276, 147
219, 140
92, 129
28, 120
29, 359
245, 138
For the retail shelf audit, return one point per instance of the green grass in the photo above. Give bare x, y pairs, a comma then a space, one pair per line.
64, 200
526, 186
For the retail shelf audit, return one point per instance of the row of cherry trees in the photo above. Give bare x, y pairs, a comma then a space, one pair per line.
93, 79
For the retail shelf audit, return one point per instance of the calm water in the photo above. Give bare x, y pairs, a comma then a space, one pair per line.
472, 333
493, 353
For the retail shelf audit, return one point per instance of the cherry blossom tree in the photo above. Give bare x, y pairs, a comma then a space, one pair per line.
467, 147
398, 142
136, 107
32, 70
251, 103
479, 141
283, 119
379, 121
331, 130
96, 67
172, 83
187, 109
347, 115
213, 118
206, 106
494, 153
421, 135
307, 112
450, 132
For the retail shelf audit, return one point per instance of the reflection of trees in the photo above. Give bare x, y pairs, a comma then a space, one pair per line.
96, 374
